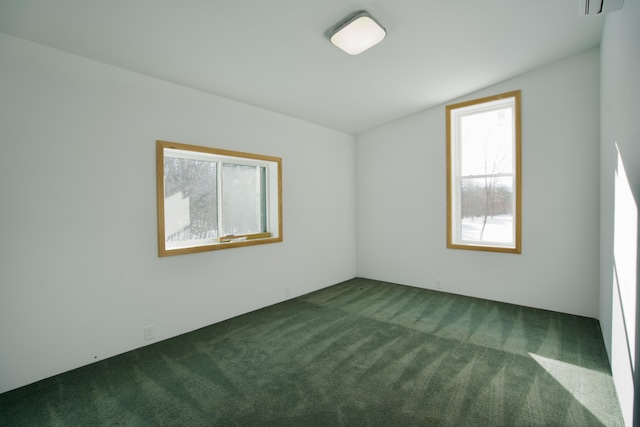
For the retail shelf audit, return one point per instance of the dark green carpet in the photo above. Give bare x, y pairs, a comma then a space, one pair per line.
358, 353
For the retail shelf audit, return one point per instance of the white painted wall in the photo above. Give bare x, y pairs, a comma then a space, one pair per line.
401, 198
79, 271
620, 197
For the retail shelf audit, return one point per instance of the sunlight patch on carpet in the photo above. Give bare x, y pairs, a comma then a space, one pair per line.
580, 383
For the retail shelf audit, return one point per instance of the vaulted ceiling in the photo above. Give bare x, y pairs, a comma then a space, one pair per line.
276, 54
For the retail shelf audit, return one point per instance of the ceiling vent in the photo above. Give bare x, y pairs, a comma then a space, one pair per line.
598, 7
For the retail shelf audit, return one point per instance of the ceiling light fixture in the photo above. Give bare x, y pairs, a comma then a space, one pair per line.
357, 33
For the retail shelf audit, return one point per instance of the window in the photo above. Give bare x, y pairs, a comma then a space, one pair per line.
213, 199
483, 167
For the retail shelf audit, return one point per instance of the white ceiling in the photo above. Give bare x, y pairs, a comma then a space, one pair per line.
276, 54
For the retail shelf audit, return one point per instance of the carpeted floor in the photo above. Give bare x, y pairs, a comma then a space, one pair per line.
360, 353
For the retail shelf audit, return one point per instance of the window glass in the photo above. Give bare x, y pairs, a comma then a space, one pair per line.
190, 200
487, 142
243, 198
486, 213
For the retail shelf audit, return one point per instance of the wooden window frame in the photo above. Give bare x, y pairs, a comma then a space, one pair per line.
274, 231
453, 240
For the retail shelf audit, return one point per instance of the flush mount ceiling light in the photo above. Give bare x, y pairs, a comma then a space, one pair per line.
358, 33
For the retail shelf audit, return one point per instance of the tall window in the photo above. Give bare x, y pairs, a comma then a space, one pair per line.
483, 168
213, 199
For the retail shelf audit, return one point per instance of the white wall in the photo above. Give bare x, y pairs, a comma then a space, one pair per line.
620, 194
79, 271
401, 198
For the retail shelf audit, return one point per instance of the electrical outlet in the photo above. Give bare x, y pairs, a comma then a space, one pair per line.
149, 332
439, 284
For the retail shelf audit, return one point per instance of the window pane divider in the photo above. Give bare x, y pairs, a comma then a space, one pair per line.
491, 175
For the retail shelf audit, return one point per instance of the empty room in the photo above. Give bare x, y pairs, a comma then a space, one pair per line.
319, 213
